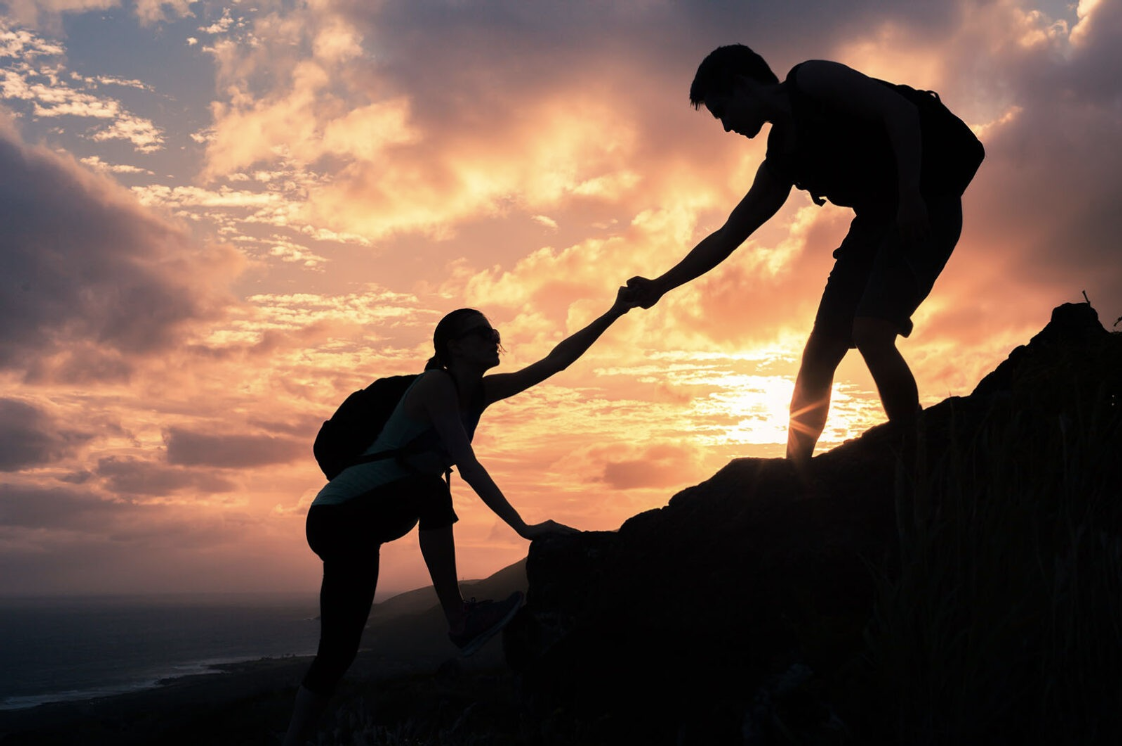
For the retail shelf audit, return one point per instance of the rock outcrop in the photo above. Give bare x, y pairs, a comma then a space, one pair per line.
746, 610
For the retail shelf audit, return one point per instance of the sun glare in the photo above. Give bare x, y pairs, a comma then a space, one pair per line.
754, 409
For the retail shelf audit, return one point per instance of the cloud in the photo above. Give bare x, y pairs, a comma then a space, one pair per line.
655, 465
17, 43
439, 128
187, 448
221, 26
128, 476
70, 540
413, 168
117, 168
1041, 223
30, 437
145, 136
56, 508
92, 282
49, 13
48, 93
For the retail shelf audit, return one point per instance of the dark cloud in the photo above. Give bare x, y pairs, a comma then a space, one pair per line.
30, 437
89, 281
231, 451
424, 42
1046, 197
64, 540
76, 511
304, 428
57, 508
469, 68
134, 477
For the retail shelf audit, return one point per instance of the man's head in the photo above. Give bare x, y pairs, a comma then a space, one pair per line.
717, 74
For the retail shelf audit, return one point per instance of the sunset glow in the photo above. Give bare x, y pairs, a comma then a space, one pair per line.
221, 218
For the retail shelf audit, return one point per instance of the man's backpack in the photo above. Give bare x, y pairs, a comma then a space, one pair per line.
950, 147
357, 423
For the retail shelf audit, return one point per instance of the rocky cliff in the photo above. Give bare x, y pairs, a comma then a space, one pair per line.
836, 604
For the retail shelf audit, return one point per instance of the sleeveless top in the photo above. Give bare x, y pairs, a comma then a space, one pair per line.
426, 455
849, 160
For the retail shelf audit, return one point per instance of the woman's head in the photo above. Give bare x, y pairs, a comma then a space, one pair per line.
456, 333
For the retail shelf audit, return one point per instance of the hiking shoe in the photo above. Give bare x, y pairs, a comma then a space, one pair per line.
484, 620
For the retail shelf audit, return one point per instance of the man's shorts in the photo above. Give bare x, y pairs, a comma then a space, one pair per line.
875, 275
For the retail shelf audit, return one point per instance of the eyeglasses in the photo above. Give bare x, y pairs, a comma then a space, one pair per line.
486, 333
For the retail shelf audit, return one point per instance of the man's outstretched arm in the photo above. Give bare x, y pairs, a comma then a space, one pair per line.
763, 200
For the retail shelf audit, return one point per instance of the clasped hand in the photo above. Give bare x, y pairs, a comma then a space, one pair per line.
641, 292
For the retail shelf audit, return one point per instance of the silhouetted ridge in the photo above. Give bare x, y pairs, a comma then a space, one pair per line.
766, 606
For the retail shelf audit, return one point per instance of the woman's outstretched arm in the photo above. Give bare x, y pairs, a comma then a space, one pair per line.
442, 406
502, 385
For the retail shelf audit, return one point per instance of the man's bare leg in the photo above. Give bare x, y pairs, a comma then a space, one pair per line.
810, 402
876, 340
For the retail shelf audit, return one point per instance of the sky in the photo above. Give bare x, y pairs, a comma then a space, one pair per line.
217, 219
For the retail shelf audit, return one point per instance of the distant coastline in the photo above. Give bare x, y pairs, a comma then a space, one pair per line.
59, 651
170, 679
75, 649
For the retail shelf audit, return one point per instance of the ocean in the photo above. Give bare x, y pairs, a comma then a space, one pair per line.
58, 649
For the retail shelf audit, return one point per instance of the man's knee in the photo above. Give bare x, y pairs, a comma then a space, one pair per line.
873, 336
823, 352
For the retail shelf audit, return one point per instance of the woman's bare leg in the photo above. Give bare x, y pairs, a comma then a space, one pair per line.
306, 712
438, 546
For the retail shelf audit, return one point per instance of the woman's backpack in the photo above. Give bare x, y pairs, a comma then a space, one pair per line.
357, 423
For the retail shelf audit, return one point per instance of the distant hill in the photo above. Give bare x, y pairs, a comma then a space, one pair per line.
497, 585
408, 632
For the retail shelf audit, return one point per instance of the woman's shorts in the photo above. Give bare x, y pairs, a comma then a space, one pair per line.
876, 275
381, 515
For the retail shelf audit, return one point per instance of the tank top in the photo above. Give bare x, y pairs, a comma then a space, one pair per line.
427, 454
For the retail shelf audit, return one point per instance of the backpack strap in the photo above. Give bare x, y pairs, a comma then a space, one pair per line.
412, 446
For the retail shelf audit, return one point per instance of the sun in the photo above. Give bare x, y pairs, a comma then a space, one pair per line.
745, 410
762, 410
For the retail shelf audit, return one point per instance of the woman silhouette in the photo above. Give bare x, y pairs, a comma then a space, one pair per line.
372, 503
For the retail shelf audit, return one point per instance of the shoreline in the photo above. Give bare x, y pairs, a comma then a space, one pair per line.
252, 698
185, 697
141, 683
206, 667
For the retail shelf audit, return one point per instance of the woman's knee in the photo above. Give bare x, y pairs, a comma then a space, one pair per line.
329, 666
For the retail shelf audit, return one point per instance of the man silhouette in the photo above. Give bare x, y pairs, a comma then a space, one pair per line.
896, 156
